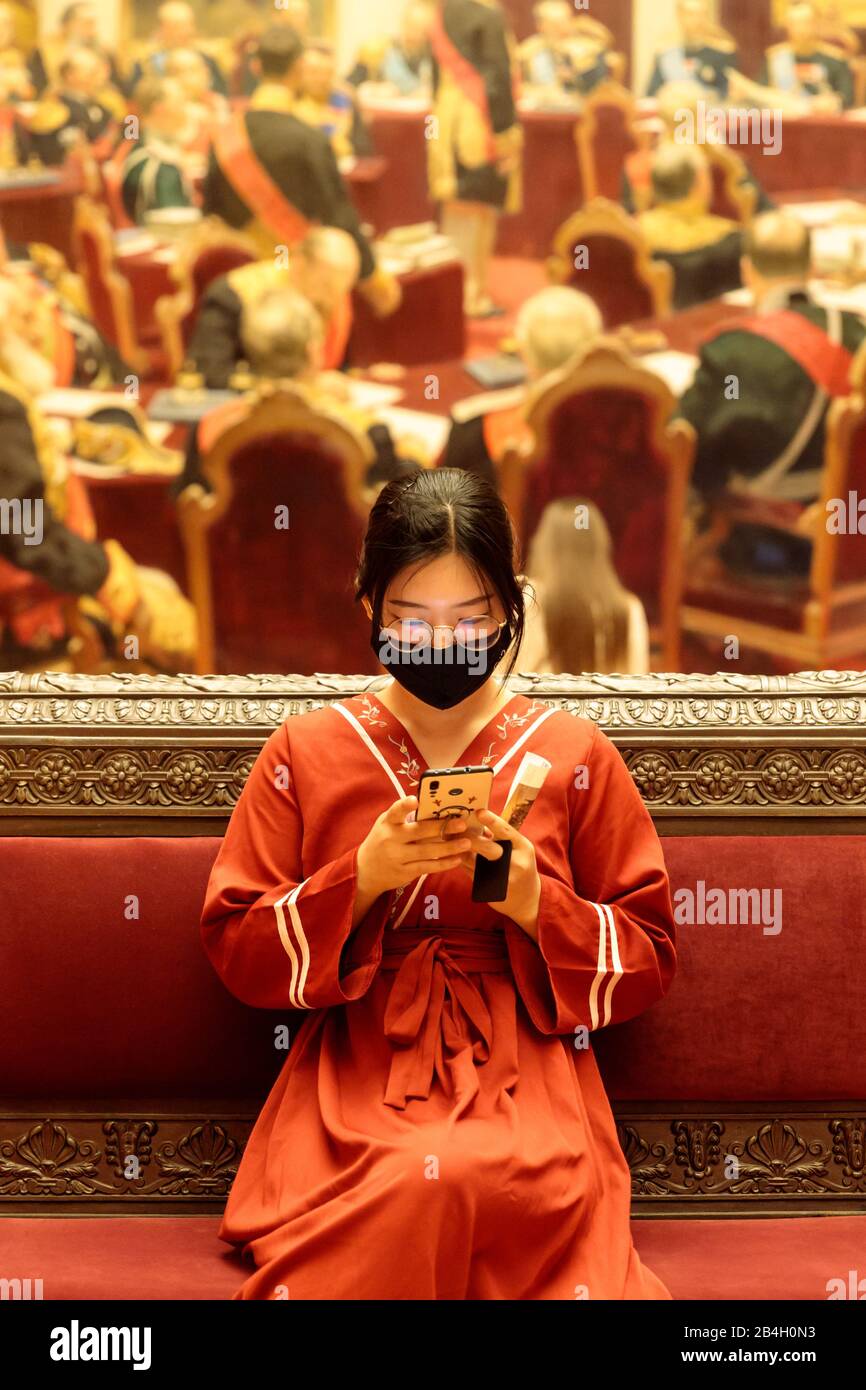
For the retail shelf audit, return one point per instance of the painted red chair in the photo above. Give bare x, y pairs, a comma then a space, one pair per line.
814, 623
603, 432
212, 250
603, 252
273, 597
605, 136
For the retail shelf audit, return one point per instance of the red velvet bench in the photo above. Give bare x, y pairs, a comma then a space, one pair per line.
130, 1076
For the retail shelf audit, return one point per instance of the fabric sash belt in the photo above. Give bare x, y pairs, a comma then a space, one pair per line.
434, 1010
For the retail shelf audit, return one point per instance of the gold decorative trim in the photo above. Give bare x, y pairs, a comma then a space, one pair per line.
686, 1160
179, 748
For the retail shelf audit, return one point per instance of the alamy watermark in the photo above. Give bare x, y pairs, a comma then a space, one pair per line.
22, 518
469, 654
730, 125
729, 907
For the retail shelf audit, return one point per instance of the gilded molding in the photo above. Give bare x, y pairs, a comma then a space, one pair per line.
183, 745
708, 1160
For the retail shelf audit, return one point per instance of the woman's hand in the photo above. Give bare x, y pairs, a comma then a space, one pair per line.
400, 849
524, 881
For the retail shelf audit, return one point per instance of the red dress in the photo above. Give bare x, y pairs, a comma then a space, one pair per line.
439, 1129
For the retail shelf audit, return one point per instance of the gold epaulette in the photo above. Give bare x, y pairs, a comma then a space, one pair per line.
49, 115
828, 51
529, 47
584, 27
250, 282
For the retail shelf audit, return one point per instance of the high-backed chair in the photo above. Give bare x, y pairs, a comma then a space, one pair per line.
615, 268
111, 172
605, 136
271, 550
109, 292
212, 249
603, 432
812, 623
732, 197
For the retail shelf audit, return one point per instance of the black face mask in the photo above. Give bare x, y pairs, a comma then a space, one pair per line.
442, 683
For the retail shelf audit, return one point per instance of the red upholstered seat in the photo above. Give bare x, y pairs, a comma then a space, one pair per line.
101, 1010
183, 1257
95, 980
611, 282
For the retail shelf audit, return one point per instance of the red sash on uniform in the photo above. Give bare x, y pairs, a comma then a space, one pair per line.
468, 78
337, 333
826, 363
254, 185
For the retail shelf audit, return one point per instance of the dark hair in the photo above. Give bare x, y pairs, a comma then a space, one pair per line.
442, 511
67, 15
279, 50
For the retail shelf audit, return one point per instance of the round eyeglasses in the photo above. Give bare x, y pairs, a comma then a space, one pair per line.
479, 633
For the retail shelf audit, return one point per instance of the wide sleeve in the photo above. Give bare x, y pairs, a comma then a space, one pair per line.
277, 938
606, 942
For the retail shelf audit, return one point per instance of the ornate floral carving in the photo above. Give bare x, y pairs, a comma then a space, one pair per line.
713, 745
653, 774
723, 1162
47, 1161
846, 774
785, 776
121, 775
54, 775
204, 1163
187, 777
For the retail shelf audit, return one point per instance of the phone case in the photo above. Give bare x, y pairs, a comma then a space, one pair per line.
490, 884
454, 791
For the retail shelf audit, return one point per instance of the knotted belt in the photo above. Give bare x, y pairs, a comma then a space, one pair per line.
434, 1010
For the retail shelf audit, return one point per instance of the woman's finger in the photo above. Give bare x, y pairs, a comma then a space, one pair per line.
438, 849
420, 831
397, 813
501, 829
435, 866
488, 849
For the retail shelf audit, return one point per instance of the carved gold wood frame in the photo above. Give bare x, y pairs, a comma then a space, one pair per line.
723, 754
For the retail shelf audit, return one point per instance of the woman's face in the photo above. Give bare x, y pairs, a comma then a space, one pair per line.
444, 591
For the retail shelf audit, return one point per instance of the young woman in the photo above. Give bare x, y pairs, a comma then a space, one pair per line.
581, 619
439, 1129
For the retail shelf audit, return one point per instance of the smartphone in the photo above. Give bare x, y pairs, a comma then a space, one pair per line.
455, 791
